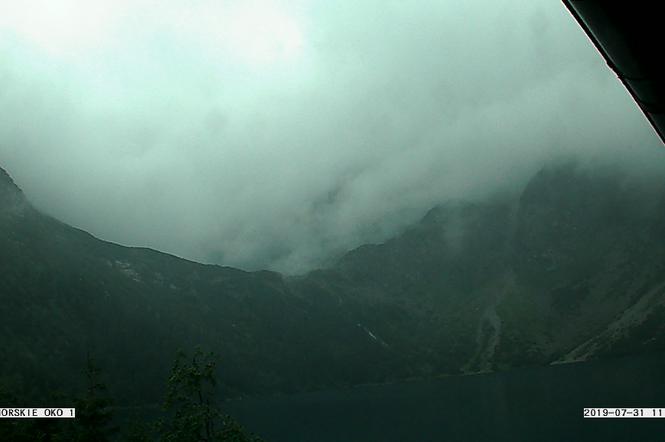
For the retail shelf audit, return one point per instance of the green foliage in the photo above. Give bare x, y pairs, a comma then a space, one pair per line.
18, 430
93, 415
190, 406
93, 412
190, 403
138, 431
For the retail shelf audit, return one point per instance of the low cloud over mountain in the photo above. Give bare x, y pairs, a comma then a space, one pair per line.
283, 136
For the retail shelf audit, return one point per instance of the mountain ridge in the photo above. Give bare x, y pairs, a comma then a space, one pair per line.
572, 269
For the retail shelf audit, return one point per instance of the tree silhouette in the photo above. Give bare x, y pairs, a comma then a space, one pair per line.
190, 403
93, 412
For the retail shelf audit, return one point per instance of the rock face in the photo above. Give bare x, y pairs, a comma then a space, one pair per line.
592, 248
573, 268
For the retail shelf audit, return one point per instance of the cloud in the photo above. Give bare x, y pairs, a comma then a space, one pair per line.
280, 135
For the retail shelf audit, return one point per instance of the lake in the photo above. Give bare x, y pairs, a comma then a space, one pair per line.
529, 404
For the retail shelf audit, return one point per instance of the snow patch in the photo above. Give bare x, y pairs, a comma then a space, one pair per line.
127, 270
373, 336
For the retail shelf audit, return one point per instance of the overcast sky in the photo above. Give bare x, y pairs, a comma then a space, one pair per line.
275, 134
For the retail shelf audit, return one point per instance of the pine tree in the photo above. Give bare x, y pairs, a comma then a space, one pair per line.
190, 403
93, 412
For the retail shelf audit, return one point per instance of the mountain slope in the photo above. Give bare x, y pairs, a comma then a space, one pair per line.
65, 293
573, 268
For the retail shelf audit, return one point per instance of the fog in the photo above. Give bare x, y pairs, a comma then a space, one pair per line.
267, 134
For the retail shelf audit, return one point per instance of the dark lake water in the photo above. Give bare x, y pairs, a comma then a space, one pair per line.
533, 404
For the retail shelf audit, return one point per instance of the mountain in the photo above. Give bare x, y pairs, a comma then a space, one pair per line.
573, 268
65, 294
